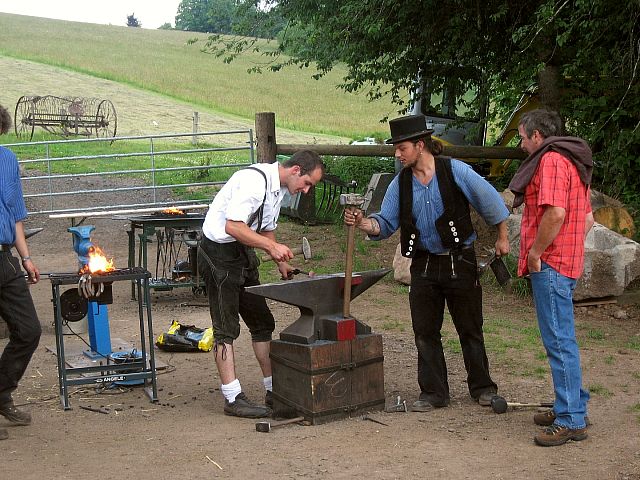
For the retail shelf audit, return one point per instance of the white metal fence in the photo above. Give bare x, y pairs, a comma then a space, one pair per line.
104, 185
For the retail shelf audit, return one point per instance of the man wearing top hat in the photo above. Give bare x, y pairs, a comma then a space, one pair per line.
429, 202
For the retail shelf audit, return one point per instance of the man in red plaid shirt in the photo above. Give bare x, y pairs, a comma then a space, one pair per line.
553, 182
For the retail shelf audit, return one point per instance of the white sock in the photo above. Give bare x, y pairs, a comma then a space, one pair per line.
231, 390
268, 383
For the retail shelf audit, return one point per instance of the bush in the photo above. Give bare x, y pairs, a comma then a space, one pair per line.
359, 169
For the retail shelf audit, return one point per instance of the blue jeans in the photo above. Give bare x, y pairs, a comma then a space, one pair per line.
553, 297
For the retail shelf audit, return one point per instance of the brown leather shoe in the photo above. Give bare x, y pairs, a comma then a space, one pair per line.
15, 416
558, 435
546, 418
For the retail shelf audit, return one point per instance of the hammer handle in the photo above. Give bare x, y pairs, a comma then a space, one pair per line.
539, 404
348, 271
267, 426
294, 250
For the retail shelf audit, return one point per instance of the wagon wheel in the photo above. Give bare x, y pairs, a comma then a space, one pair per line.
106, 120
23, 119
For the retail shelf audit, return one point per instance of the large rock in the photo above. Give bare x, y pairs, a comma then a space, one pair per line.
611, 262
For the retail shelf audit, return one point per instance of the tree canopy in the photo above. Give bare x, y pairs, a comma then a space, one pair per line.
581, 56
240, 17
132, 21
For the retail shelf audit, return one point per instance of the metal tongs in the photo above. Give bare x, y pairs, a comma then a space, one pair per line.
499, 269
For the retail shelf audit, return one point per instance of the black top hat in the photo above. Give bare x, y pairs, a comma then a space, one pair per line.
408, 128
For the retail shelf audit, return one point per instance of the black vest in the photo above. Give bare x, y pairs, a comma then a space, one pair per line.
454, 226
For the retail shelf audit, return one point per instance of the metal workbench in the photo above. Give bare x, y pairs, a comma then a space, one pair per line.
103, 371
167, 230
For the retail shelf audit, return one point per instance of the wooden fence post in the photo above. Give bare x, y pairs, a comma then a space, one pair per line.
196, 123
266, 137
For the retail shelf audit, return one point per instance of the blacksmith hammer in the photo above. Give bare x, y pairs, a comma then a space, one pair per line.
349, 201
266, 427
499, 404
305, 250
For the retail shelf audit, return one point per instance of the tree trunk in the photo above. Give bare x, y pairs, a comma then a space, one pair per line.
549, 87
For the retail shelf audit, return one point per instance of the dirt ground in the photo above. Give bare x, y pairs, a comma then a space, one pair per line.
187, 435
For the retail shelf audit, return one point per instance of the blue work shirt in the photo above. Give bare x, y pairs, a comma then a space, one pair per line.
428, 206
12, 206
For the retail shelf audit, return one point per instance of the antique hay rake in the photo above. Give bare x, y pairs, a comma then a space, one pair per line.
65, 116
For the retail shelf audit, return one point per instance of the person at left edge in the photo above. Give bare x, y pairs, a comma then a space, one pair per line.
243, 216
16, 304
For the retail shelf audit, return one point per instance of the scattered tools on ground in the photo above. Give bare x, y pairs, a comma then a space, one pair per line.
371, 419
500, 405
266, 426
93, 409
350, 201
400, 406
305, 250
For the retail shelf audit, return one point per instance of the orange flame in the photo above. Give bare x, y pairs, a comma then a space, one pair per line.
173, 211
97, 262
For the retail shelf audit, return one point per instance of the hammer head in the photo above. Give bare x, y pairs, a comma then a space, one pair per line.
306, 249
499, 404
351, 200
264, 427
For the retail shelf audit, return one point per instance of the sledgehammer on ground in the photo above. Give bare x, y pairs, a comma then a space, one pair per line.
499, 404
266, 427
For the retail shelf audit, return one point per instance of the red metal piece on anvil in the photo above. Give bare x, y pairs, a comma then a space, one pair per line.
319, 299
346, 329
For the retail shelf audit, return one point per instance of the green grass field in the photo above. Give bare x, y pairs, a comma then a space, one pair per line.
162, 61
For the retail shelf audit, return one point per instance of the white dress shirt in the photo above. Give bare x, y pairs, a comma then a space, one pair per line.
240, 197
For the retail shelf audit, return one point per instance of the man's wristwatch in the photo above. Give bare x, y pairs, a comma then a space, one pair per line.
24, 259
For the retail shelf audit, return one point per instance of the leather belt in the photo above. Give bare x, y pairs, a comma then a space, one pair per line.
446, 253
5, 247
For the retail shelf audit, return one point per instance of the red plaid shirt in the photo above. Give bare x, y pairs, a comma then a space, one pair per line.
556, 183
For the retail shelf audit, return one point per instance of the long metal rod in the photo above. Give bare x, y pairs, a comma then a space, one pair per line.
120, 212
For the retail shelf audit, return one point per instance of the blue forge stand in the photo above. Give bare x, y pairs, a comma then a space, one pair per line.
97, 314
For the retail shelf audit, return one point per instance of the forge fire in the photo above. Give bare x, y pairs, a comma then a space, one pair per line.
97, 262
173, 211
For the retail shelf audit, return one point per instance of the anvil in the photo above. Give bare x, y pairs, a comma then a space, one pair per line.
319, 298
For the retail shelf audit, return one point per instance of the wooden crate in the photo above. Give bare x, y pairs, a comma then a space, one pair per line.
328, 380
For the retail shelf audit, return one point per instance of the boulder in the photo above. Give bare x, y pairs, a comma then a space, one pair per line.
611, 262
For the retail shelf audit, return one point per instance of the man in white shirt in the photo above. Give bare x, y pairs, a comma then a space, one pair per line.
243, 216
